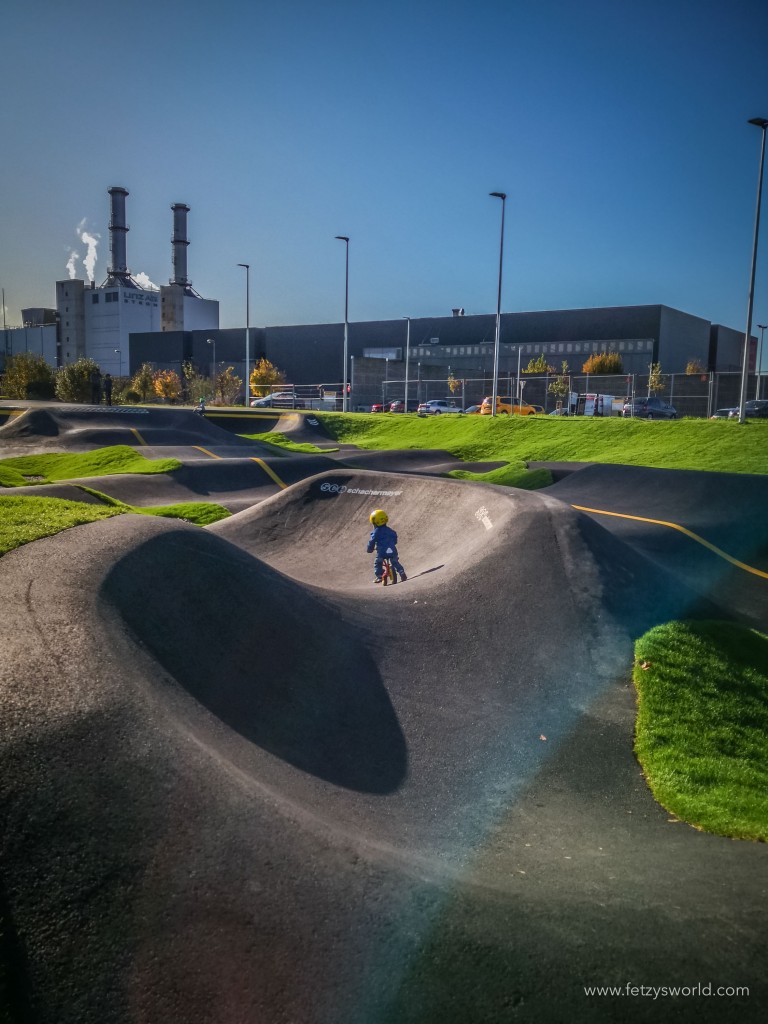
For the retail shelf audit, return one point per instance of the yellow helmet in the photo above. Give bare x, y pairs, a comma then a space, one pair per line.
378, 517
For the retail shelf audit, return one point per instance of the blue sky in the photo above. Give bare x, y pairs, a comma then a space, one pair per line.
617, 129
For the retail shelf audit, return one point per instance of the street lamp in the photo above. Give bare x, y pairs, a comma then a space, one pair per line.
761, 328
407, 357
119, 355
497, 343
345, 239
247, 268
212, 341
762, 124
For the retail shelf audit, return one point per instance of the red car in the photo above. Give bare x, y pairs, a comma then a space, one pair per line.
377, 407
398, 406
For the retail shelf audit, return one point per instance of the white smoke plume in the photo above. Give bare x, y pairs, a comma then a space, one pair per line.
90, 241
74, 256
143, 281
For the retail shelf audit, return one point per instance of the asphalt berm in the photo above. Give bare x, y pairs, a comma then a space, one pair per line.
240, 783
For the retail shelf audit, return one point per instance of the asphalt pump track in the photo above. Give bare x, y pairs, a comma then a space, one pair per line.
243, 783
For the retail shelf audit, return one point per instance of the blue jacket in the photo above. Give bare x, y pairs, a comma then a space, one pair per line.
382, 538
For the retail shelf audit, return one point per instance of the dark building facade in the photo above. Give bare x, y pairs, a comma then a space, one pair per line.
313, 353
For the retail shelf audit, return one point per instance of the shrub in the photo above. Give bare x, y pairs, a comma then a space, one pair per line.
28, 376
167, 384
603, 362
73, 381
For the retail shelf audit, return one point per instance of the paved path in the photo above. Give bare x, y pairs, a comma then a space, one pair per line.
241, 783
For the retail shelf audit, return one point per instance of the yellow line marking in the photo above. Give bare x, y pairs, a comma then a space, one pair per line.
141, 439
205, 451
269, 471
681, 529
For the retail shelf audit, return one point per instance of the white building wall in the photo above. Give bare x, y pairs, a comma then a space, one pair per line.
71, 309
111, 315
40, 341
200, 314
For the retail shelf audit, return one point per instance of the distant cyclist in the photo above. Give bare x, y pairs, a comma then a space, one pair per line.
384, 540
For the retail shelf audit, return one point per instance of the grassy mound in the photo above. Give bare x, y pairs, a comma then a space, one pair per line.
24, 518
721, 446
702, 724
55, 467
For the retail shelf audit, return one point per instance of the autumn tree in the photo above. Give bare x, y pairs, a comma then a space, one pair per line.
453, 384
561, 385
227, 387
28, 376
603, 362
143, 381
655, 379
539, 365
694, 368
73, 381
265, 375
196, 385
167, 384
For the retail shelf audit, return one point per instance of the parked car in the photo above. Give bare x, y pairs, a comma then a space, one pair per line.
723, 414
559, 412
278, 400
473, 410
398, 406
377, 407
649, 409
436, 406
755, 409
506, 408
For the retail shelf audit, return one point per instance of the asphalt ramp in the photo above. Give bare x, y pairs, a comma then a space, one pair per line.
259, 787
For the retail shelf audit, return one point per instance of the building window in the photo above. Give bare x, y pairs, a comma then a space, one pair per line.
94, 298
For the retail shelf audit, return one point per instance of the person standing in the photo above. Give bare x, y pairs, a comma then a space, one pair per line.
95, 386
108, 389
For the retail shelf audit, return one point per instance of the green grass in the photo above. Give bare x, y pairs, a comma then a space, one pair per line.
720, 446
702, 724
24, 518
27, 470
279, 441
201, 513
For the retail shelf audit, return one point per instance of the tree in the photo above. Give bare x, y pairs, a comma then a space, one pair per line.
539, 365
655, 379
167, 384
227, 386
28, 376
73, 381
143, 381
453, 384
603, 362
263, 376
694, 368
560, 387
195, 385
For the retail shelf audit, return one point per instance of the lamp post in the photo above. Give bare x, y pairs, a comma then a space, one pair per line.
119, 355
497, 342
762, 124
345, 239
761, 328
407, 358
247, 268
212, 341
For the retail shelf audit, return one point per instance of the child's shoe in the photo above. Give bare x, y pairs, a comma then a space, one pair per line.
403, 577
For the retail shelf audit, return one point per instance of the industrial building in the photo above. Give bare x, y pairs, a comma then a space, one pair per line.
121, 325
97, 322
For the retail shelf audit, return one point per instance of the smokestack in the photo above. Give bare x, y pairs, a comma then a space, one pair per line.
180, 243
118, 229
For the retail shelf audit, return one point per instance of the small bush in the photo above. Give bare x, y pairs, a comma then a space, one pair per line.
28, 376
73, 382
